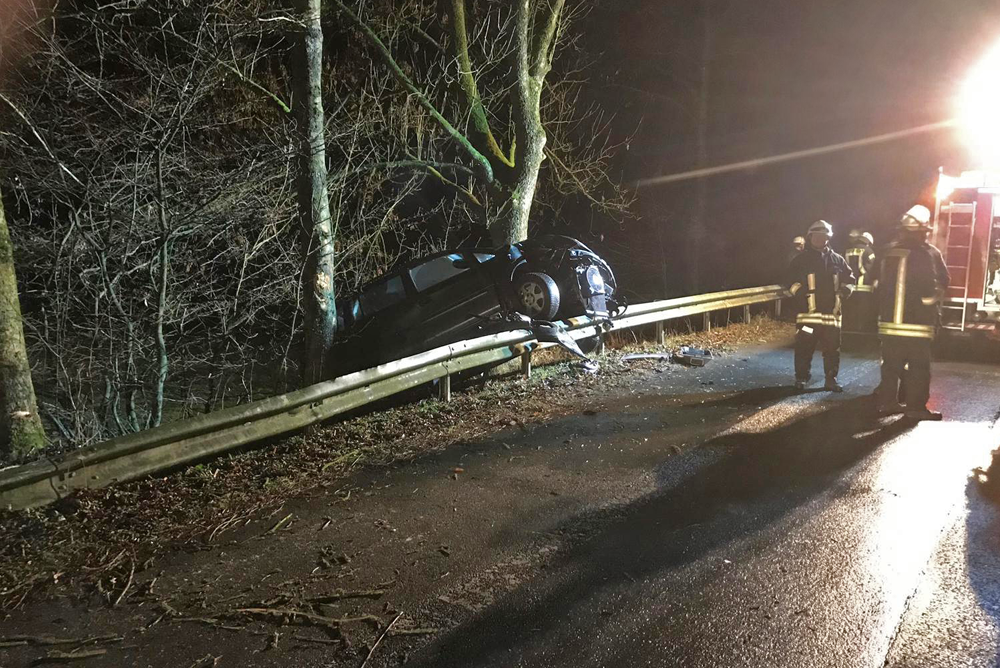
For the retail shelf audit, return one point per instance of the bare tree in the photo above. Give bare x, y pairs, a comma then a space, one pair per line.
21, 431
519, 46
318, 232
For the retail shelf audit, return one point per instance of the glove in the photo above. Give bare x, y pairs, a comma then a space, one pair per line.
933, 299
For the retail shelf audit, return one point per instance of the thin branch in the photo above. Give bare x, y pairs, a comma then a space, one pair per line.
468, 81
462, 140
44, 144
242, 77
462, 189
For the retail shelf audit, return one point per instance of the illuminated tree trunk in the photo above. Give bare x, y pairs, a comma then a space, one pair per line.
534, 61
20, 427
314, 202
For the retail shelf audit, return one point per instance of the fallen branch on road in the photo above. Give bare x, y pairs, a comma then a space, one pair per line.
330, 622
55, 656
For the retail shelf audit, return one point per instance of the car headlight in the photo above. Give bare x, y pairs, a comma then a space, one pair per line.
595, 281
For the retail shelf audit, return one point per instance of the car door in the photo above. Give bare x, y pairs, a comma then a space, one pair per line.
454, 294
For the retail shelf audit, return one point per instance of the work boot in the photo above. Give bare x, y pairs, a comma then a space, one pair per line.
832, 385
891, 409
800, 385
924, 414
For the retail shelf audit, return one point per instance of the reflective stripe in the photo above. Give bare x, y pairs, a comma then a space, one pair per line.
899, 307
811, 282
864, 288
859, 253
818, 319
902, 329
837, 305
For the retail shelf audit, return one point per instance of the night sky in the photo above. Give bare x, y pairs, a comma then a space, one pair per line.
784, 76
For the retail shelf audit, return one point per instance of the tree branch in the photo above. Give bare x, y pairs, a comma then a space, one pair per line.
462, 140
38, 136
462, 189
242, 77
541, 56
468, 81
407, 164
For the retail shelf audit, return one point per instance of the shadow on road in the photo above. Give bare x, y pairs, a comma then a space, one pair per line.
756, 481
982, 548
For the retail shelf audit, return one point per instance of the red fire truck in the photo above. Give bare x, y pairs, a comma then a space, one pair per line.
967, 230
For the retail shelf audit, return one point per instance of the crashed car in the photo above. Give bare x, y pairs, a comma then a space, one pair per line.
463, 293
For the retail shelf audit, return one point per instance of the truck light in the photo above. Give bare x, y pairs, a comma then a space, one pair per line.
978, 104
946, 186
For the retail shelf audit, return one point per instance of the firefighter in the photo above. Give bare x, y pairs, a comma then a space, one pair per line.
911, 280
820, 280
798, 245
860, 314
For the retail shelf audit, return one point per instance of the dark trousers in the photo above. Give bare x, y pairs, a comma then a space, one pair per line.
907, 357
860, 313
824, 337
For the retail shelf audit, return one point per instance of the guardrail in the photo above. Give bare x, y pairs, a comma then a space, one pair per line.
185, 441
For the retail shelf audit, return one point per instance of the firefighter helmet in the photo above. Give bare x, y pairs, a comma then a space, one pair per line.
867, 236
855, 235
821, 227
917, 219
799, 241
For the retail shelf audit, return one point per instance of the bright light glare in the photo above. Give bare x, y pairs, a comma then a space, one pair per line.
979, 110
946, 186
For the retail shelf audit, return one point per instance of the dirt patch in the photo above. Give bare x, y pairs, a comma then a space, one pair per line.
104, 542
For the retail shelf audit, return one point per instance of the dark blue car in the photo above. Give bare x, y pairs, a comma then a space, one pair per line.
462, 293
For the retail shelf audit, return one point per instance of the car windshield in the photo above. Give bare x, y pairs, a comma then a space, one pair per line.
438, 270
385, 293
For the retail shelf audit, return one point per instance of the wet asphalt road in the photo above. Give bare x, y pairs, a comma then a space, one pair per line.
806, 535
694, 518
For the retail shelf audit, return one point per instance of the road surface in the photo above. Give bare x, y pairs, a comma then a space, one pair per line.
700, 518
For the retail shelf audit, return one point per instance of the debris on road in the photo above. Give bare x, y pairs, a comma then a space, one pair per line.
664, 357
692, 356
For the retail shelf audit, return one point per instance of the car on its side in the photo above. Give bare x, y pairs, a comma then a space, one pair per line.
462, 293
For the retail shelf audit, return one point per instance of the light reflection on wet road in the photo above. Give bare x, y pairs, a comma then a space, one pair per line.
801, 541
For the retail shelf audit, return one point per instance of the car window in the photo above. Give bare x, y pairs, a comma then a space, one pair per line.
382, 294
438, 270
484, 257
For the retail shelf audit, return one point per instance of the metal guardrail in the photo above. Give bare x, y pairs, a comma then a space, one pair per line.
185, 441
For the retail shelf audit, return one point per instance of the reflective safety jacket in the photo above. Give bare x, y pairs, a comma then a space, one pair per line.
911, 281
818, 282
861, 259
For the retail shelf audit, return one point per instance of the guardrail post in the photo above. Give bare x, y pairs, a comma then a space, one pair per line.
706, 322
526, 364
661, 334
444, 388
777, 309
746, 313
599, 350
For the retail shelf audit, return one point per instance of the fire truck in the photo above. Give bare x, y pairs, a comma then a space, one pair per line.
967, 231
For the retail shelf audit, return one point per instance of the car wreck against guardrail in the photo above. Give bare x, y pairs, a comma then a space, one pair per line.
463, 293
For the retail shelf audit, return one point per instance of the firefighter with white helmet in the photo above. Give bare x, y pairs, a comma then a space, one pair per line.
798, 245
911, 280
859, 313
820, 280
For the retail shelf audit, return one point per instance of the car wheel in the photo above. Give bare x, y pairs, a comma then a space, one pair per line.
537, 295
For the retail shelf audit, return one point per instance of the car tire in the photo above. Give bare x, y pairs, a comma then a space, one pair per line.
537, 295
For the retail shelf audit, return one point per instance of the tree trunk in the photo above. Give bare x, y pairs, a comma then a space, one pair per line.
314, 202
535, 36
20, 426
